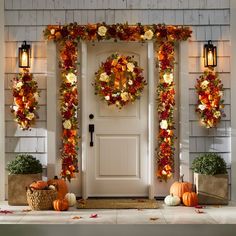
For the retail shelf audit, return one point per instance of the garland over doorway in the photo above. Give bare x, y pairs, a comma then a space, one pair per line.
68, 36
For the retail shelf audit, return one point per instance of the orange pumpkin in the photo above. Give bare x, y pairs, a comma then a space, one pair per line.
178, 188
61, 186
190, 199
60, 205
39, 185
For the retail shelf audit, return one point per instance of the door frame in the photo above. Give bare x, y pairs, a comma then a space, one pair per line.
85, 122
53, 118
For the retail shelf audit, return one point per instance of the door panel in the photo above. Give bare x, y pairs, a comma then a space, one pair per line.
117, 163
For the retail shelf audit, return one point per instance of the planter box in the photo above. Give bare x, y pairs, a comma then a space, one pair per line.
17, 188
211, 189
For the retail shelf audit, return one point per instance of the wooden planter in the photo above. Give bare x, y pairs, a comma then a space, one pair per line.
17, 188
211, 189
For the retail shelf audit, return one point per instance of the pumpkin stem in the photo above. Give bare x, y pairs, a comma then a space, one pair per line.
55, 177
172, 195
181, 178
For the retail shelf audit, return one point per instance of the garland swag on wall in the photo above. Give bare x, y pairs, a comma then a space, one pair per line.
68, 36
26, 96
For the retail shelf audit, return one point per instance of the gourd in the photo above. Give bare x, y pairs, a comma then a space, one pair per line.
190, 199
60, 205
71, 198
52, 187
60, 185
39, 185
178, 188
172, 200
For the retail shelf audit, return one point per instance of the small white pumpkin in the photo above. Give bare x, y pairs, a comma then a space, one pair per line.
172, 200
71, 198
52, 187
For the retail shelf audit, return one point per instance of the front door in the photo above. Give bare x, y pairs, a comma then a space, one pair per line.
117, 163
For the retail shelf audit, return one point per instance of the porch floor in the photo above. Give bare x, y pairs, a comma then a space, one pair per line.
163, 215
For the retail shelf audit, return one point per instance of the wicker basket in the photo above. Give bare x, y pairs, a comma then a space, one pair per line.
41, 199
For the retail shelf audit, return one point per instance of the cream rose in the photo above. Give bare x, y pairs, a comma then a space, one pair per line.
164, 124
102, 30
204, 84
130, 82
202, 107
217, 114
52, 31
148, 35
221, 94
19, 85
104, 77
124, 96
67, 124
30, 116
107, 97
130, 67
36, 96
168, 78
71, 78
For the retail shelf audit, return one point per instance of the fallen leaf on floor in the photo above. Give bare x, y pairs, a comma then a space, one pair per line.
199, 211
26, 210
93, 216
6, 212
140, 209
77, 217
153, 218
199, 207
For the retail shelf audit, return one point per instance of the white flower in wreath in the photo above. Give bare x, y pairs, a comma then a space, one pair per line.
168, 78
102, 30
52, 31
164, 124
204, 84
107, 97
30, 116
118, 104
217, 114
19, 85
202, 107
15, 108
71, 78
221, 94
130, 67
104, 77
36, 96
124, 96
148, 35
130, 82
67, 124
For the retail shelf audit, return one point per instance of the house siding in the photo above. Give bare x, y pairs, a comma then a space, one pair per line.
26, 20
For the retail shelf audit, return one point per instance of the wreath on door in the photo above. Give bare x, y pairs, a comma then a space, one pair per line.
119, 80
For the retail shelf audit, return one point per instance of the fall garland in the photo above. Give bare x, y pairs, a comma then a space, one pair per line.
119, 80
165, 36
210, 103
26, 96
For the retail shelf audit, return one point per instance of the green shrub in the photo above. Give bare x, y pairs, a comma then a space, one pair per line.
209, 164
25, 164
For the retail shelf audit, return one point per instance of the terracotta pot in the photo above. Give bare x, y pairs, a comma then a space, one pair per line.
212, 189
17, 187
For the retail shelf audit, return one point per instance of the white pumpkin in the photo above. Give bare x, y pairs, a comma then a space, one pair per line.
71, 198
52, 187
172, 200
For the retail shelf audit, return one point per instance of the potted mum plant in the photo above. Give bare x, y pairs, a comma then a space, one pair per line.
23, 170
211, 179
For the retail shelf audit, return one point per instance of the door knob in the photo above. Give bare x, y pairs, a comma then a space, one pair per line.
91, 130
91, 116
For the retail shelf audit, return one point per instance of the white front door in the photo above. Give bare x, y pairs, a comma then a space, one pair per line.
117, 164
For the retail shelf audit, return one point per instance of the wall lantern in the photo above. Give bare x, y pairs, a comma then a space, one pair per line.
210, 55
24, 55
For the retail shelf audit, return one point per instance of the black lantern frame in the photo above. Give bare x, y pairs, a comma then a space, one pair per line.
210, 55
24, 55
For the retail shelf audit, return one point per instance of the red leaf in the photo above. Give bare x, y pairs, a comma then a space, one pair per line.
93, 216
199, 207
6, 212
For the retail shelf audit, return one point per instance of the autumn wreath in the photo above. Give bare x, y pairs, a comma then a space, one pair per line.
119, 80
26, 96
210, 103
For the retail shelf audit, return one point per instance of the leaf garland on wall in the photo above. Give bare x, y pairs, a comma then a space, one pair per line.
68, 37
209, 89
26, 96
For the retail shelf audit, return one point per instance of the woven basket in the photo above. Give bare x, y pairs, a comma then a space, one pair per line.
41, 199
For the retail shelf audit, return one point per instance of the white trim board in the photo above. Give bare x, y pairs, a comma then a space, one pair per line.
233, 97
2, 103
